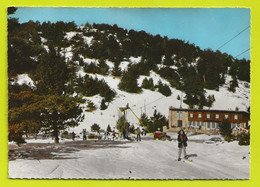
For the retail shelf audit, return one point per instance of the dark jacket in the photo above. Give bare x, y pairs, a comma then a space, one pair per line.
180, 141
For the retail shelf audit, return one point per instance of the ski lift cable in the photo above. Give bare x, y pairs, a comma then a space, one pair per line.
243, 52
152, 102
234, 37
145, 98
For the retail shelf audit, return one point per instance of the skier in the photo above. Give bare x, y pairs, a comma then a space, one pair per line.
73, 136
114, 135
124, 133
144, 132
182, 144
84, 134
105, 135
138, 134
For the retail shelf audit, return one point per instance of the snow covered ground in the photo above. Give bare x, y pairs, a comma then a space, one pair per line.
148, 159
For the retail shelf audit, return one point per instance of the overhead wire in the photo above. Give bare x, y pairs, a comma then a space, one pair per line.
145, 98
234, 37
242, 52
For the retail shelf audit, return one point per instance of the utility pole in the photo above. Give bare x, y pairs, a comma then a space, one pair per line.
144, 107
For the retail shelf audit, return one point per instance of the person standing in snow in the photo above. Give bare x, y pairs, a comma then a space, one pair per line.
84, 134
138, 134
143, 132
124, 133
73, 136
182, 144
114, 135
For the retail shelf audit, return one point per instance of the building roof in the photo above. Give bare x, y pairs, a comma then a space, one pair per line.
208, 110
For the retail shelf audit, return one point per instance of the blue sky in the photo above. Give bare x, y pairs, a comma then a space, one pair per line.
205, 27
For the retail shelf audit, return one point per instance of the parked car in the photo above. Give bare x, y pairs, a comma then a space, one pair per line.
161, 136
216, 139
164, 137
213, 140
157, 134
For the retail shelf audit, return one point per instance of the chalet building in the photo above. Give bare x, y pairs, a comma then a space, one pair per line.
205, 121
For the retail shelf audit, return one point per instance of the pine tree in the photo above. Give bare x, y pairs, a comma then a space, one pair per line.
158, 121
103, 68
151, 84
91, 106
109, 128
129, 82
50, 113
103, 105
164, 89
51, 73
146, 122
226, 130
95, 128
116, 70
145, 84
50, 108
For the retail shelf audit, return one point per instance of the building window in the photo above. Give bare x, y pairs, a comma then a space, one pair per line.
226, 116
208, 116
217, 116
213, 125
201, 123
198, 124
217, 125
191, 115
199, 115
233, 125
208, 125
235, 117
179, 114
193, 123
238, 125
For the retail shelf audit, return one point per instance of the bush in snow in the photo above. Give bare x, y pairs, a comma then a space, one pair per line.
244, 139
132, 129
91, 136
233, 84
226, 131
164, 89
148, 84
90, 107
89, 86
95, 128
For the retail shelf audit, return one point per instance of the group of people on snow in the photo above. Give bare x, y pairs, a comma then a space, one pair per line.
182, 139
113, 136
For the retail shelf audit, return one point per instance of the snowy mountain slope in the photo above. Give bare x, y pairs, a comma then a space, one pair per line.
148, 100
151, 99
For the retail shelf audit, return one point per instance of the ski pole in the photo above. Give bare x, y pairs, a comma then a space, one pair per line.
188, 130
